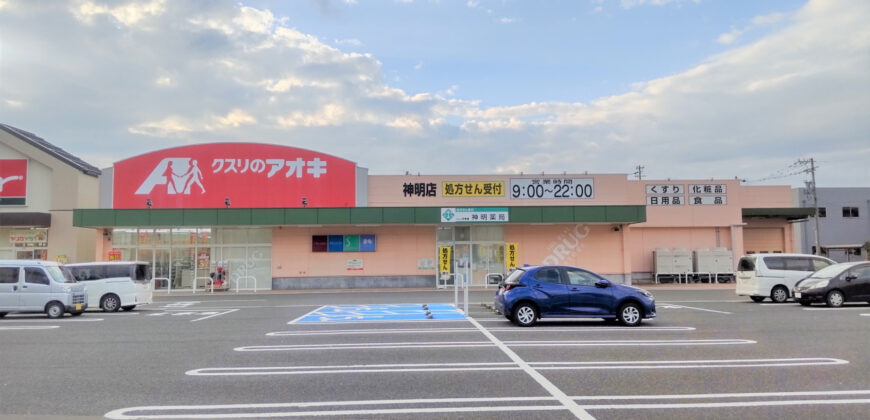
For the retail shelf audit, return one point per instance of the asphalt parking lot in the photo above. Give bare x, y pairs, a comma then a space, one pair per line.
371, 354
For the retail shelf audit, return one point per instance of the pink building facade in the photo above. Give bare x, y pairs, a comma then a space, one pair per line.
359, 230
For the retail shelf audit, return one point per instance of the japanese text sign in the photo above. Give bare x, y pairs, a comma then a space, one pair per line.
444, 259
234, 174
511, 257
472, 189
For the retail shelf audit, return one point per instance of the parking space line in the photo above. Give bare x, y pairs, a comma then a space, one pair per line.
44, 320
309, 313
842, 308
503, 366
529, 404
468, 344
666, 305
214, 315
462, 330
29, 327
568, 403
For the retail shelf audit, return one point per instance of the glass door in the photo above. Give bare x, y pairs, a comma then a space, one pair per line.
486, 258
462, 262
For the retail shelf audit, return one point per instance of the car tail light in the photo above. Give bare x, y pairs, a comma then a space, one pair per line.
512, 286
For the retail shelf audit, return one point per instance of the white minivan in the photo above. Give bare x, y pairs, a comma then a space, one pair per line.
115, 285
39, 286
760, 276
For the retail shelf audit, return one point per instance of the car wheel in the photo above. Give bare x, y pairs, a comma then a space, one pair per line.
54, 310
128, 308
835, 299
525, 314
110, 303
805, 302
630, 314
77, 313
779, 294
757, 299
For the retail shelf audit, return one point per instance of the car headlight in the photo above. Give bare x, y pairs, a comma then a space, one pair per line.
819, 284
647, 294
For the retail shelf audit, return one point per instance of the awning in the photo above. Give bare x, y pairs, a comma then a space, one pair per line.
788, 213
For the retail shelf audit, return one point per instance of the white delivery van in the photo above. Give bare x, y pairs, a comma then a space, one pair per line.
760, 276
40, 286
115, 285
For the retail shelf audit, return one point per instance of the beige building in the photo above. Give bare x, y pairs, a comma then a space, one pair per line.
40, 185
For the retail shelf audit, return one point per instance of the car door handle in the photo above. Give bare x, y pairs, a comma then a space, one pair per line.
574, 289
538, 286
24, 287
14, 288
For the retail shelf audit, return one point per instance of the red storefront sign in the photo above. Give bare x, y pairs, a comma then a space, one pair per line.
244, 174
13, 181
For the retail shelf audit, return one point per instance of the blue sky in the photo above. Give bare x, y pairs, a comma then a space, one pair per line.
510, 52
690, 89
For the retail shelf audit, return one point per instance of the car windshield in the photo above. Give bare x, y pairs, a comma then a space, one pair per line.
60, 274
828, 272
514, 277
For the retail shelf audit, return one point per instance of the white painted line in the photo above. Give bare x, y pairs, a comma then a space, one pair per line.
291, 409
303, 316
212, 316
557, 393
864, 314
462, 330
725, 404
842, 308
469, 344
699, 309
28, 327
476, 367
783, 305
705, 301
64, 320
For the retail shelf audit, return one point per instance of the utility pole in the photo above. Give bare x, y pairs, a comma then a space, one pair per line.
638, 172
812, 171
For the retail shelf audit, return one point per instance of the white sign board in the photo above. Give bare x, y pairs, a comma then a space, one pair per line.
552, 188
474, 214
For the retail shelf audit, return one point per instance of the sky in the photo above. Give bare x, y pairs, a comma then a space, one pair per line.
687, 89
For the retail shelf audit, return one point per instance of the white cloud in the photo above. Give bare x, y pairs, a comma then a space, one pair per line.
352, 42
758, 21
243, 73
508, 20
128, 14
472, 3
628, 4
419, 65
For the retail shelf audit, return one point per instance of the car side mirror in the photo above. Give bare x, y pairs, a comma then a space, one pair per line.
602, 284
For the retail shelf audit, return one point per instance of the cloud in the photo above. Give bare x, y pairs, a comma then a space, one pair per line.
215, 71
628, 4
758, 21
508, 20
352, 42
419, 65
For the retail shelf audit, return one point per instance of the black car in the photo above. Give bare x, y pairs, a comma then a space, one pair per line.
835, 284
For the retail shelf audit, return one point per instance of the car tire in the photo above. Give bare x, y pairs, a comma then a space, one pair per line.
835, 299
779, 294
128, 308
525, 314
757, 299
805, 302
54, 310
110, 303
630, 314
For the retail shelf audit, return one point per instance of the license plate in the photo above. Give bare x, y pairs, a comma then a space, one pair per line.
797, 295
79, 307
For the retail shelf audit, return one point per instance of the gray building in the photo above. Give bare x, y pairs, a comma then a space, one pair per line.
844, 222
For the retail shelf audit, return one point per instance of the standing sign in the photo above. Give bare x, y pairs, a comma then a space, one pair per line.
13, 182
511, 257
234, 174
444, 259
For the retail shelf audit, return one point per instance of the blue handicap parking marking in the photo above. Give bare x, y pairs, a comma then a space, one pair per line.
399, 312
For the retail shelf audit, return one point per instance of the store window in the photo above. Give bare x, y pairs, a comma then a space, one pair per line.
823, 212
850, 212
24, 244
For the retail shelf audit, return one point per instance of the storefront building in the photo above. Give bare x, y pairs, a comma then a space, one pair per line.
275, 217
40, 185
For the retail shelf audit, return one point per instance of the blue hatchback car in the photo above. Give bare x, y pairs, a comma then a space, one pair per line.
531, 293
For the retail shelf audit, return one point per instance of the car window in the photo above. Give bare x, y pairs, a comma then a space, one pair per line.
117, 271
798, 264
775, 263
580, 277
746, 264
35, 275
819, 264
862, 273
548, 275
8, 274
83, 273
143, 272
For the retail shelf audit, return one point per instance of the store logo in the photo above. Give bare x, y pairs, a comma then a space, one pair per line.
179, 175
448, 215
3, 181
